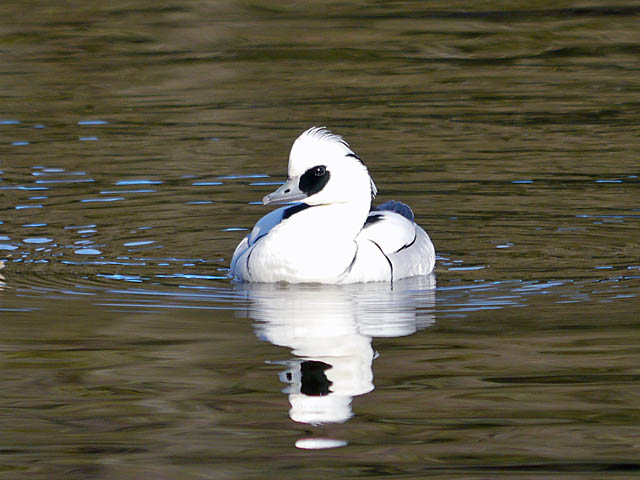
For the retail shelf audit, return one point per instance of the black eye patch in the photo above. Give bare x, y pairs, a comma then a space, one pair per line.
313, 180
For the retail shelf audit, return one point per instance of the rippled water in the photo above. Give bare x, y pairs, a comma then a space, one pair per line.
136, 140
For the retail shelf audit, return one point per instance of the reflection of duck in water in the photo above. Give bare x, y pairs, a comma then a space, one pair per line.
329, 328
332, 236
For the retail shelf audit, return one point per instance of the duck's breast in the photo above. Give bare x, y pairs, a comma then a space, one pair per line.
295, 244
239, 263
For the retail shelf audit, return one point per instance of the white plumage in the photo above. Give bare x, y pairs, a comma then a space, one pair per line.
332, 235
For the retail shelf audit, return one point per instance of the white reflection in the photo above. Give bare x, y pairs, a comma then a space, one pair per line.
329, 329
319, 443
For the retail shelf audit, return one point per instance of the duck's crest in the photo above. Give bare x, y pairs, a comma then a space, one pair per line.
323, 133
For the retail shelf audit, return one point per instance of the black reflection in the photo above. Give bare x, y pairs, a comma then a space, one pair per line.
313, 380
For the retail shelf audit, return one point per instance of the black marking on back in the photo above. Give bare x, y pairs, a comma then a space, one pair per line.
313, 180
314, 381
415, 237
347, 270
292, 210
398, 207
372, 219
385, 256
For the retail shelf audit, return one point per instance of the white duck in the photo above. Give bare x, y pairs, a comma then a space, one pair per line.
332, 235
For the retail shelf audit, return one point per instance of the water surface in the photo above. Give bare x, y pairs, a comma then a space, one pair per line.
136, 141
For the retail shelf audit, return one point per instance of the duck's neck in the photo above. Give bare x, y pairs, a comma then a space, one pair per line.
339, 221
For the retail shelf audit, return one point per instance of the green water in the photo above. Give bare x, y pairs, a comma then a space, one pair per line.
136, 141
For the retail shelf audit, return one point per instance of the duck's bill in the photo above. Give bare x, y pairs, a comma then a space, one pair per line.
289, 192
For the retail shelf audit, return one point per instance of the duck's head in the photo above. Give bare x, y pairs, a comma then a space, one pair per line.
323, 170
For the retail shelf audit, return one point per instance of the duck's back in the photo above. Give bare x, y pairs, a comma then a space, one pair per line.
391, 246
